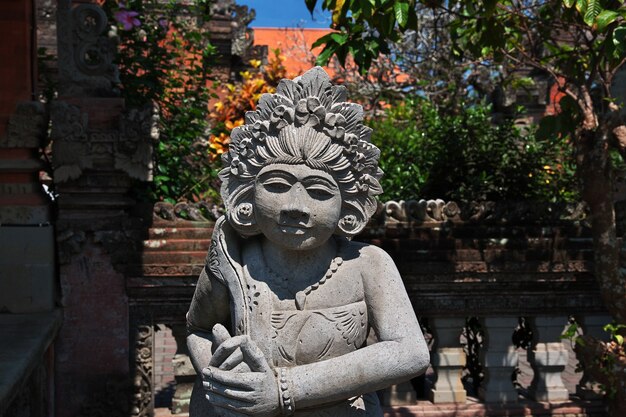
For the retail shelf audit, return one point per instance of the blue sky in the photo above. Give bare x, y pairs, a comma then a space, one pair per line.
285, 13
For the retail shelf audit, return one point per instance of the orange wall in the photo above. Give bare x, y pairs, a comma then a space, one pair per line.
295, 45
15, 56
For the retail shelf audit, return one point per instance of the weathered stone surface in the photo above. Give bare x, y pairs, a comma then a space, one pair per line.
286, 311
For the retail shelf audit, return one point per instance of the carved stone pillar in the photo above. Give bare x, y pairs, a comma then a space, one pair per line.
98, 148
591, 325
499, 360
548, 358
183, 371
448, 360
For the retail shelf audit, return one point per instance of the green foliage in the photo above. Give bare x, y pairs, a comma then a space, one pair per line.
164, 55
604, 361
428, 153
489, 30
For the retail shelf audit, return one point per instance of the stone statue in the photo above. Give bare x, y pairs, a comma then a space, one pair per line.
279, 321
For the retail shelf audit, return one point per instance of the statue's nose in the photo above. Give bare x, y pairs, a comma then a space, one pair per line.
297, 208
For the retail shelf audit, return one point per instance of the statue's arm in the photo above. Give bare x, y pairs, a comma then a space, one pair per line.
210, 306
400, 354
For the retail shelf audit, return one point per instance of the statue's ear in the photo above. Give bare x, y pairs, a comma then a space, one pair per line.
353, 220
241, 212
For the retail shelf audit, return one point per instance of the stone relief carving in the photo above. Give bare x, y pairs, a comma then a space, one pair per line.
433, 211
24, 215
423, 211
27, 126
202, 211
243, 36
70, 242
70, 147
281, 313
139, 130
85, 51
75, 147
142, 399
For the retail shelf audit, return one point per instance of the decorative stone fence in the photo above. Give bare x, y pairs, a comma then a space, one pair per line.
495, 262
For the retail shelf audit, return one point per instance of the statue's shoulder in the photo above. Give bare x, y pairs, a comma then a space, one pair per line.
369, 257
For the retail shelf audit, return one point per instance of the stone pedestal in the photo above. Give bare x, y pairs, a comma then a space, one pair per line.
447, 359
499, 360
184, 373
548, 358
401, 394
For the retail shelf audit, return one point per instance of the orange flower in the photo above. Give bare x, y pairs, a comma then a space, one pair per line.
218, 145
231, 125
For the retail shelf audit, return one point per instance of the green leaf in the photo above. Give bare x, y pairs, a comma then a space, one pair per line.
322, 41
325, 55
581, 6
310, 4
619, 37
569, 3
340, 38
605, 18
401, 11
593, 9
619, 339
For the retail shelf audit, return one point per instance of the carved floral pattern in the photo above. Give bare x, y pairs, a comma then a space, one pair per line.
27, 126
70, 147
432, 211
86, 51
139, 130
142, 398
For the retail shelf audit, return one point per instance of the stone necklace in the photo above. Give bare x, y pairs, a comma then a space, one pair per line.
300, 296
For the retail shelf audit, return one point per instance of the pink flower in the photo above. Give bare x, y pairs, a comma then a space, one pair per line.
127, 18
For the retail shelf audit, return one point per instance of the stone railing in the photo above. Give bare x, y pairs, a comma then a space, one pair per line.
494, 262
498, 263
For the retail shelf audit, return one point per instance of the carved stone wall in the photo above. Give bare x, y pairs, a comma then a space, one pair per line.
537, 258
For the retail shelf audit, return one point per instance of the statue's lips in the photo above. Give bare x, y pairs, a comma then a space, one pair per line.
293, 229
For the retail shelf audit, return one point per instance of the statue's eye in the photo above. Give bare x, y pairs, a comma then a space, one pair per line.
277, 185
319, 191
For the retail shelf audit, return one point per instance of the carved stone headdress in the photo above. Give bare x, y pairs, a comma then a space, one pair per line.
307, 121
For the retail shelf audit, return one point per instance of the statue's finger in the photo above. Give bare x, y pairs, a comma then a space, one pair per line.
232, 361
242, 367
224, 404
220, 335
226, 349
253, 356
229, 392
249, 381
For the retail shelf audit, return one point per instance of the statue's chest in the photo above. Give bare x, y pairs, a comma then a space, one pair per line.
329, 320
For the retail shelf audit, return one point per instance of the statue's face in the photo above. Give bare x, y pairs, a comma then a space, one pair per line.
297, 207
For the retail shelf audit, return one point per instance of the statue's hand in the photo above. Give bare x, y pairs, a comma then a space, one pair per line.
229, 357
252, 393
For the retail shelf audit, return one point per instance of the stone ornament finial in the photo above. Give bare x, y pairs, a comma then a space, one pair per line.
307, 121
